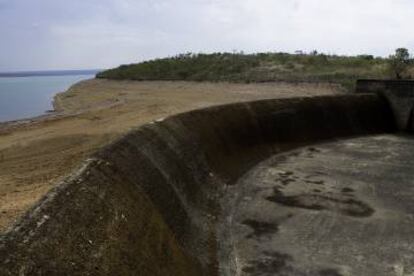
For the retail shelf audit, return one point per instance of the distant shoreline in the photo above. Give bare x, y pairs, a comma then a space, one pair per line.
55, 112
49, 73
44, 114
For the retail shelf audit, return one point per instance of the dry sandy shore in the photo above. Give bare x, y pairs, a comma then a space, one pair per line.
35, 154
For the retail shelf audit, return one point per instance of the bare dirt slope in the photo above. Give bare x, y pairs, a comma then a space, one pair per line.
34, 155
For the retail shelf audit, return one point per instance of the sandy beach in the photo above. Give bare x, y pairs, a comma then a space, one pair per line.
36, 153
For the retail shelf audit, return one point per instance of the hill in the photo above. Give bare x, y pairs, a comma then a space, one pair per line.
261, 67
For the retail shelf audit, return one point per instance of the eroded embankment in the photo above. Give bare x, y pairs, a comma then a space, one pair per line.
148, 204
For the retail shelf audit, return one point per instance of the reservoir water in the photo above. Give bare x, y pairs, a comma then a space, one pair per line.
29, 96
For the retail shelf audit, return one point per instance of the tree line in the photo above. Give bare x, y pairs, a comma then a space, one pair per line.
269, 66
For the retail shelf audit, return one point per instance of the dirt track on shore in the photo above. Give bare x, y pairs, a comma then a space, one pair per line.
36, 154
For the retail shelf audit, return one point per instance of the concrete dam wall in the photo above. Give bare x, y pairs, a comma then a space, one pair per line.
149, 204
400, 96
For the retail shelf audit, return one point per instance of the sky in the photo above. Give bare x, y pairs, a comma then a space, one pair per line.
85, 34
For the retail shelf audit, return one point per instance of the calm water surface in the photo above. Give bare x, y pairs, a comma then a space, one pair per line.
24, 97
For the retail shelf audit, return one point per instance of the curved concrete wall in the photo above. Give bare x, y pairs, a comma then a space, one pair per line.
149, 203
399, 94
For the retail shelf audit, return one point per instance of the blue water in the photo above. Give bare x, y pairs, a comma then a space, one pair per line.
25, 97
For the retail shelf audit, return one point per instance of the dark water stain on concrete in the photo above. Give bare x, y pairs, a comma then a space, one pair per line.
286, 178
277, 263
316, 182
261, 228
329, 272
312, 149
345, 206
311, 152
347, 190
295, 154
286, 181
272, 263
286, 174
315, 174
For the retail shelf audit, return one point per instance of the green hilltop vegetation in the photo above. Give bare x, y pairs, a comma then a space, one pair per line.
260, 67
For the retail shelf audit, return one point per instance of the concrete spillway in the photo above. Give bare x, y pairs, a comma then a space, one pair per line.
159, 201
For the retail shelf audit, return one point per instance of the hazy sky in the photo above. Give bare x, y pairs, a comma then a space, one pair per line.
72, 34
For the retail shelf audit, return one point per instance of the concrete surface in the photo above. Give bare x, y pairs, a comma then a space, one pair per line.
339, 208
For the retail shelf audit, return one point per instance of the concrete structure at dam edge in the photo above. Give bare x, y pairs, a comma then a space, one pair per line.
149, 204
400, 96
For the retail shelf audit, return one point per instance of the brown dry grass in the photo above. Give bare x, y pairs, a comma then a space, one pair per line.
35, 155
